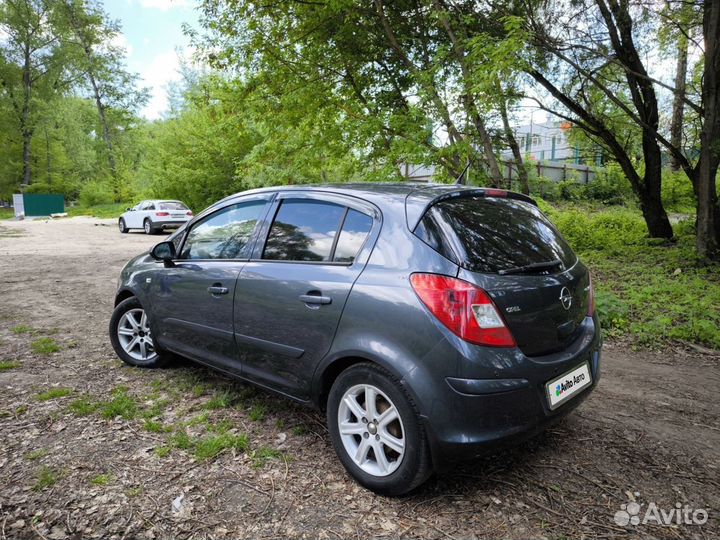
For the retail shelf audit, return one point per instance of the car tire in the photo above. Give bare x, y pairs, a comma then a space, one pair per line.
148, 226
131, 336
402, 441
121, 225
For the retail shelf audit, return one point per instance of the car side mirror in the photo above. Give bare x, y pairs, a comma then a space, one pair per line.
165, 252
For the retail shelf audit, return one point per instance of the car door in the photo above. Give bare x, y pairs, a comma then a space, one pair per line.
193, 300
289, 298
131, 218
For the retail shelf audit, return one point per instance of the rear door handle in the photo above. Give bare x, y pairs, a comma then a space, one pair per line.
218, 290
314, 299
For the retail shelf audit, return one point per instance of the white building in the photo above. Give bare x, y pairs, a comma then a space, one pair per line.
545, 141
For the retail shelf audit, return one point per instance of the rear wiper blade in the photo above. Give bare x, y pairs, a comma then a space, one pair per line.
545, 265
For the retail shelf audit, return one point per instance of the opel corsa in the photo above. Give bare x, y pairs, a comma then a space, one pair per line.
429, 322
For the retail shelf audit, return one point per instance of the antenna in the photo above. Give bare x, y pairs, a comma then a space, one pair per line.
461, 180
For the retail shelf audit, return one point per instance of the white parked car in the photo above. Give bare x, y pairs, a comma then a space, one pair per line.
154, 216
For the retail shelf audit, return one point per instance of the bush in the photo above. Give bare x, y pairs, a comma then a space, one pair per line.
610, 186
609, 230
95, 193
677, 192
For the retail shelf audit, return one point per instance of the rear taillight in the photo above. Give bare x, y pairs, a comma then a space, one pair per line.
467, 311
162, 214
189, 213
591, 297
495, 193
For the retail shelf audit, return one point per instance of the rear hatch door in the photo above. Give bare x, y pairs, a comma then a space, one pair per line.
508, 247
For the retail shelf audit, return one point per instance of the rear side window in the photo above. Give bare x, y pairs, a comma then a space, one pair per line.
224, 234
492, 235
316, 231
355, 230
303, 230
172, 206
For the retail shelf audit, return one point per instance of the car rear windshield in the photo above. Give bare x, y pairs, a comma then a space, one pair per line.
494, 235
172, 206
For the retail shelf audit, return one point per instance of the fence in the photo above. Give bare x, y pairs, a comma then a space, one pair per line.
558, 172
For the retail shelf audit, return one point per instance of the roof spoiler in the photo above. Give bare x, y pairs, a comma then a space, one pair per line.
420, 201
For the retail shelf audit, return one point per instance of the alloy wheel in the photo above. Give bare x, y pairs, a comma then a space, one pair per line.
371, 430
134, 335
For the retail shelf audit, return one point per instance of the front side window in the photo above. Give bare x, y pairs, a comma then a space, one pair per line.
303, 230
225, 234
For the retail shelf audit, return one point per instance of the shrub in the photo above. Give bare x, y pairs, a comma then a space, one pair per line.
94, 193
608, 230
610, 186
677, 192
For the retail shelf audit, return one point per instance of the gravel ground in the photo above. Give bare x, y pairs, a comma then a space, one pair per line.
90, 448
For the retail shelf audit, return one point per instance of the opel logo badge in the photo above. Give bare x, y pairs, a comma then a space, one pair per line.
566, 298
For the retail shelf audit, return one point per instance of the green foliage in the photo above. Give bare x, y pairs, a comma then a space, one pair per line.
648, 290
45, 346
54, 393
610, 230
609, 186
95, 193
677, 192
220, 400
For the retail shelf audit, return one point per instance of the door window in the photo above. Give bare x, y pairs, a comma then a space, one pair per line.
225, 234
355, 230
304, 230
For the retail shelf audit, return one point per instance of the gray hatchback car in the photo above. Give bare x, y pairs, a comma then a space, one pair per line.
430, 322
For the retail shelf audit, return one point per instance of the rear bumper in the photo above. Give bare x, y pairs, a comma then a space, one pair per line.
474, 416
169, 224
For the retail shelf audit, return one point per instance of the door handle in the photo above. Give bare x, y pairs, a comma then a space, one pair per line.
315, 299
215, 289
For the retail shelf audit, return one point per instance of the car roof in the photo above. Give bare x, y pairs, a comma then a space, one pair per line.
418, 196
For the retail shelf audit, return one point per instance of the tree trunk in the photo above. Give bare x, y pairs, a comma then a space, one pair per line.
651, 205
515, 148
676, 124
708, 208
25, 128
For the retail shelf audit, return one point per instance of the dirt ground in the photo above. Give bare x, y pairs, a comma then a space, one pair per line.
70, 467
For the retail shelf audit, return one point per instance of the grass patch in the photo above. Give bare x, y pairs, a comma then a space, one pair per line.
212, 445
121, 405
83, 406
163, 451
45, 477
54, 393
7, 213
155, 427
262, 455
44, 345
102, 479
102, 211
221, 400
36, 454
8, 364
257, 413
180, 439
22, 329
300, 430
